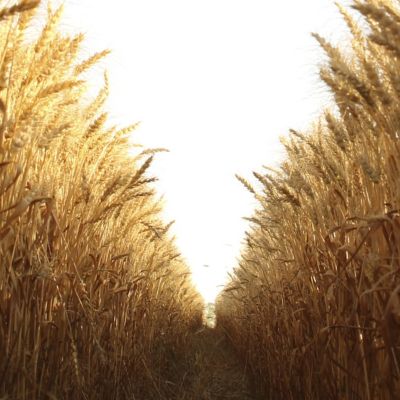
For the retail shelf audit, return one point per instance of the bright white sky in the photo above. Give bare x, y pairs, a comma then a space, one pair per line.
216, 82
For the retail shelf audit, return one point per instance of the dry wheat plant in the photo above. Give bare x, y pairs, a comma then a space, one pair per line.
95, 301
314, 304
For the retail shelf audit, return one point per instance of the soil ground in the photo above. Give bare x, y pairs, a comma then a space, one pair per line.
215, 372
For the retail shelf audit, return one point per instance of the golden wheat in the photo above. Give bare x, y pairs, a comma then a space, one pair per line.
89, 300
313, 306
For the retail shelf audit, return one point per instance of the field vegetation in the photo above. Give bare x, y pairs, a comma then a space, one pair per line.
313, 307
95, 300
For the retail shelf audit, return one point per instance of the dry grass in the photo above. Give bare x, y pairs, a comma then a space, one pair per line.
314, 305
95, 300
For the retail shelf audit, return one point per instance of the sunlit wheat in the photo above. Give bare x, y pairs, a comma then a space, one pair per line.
314, 305
92, 289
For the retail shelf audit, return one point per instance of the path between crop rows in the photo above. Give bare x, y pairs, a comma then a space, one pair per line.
216, 373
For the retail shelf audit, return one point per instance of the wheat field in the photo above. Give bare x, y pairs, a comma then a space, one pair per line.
314, 304
96, 301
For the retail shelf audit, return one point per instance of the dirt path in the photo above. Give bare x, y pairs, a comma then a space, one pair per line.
215, 372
